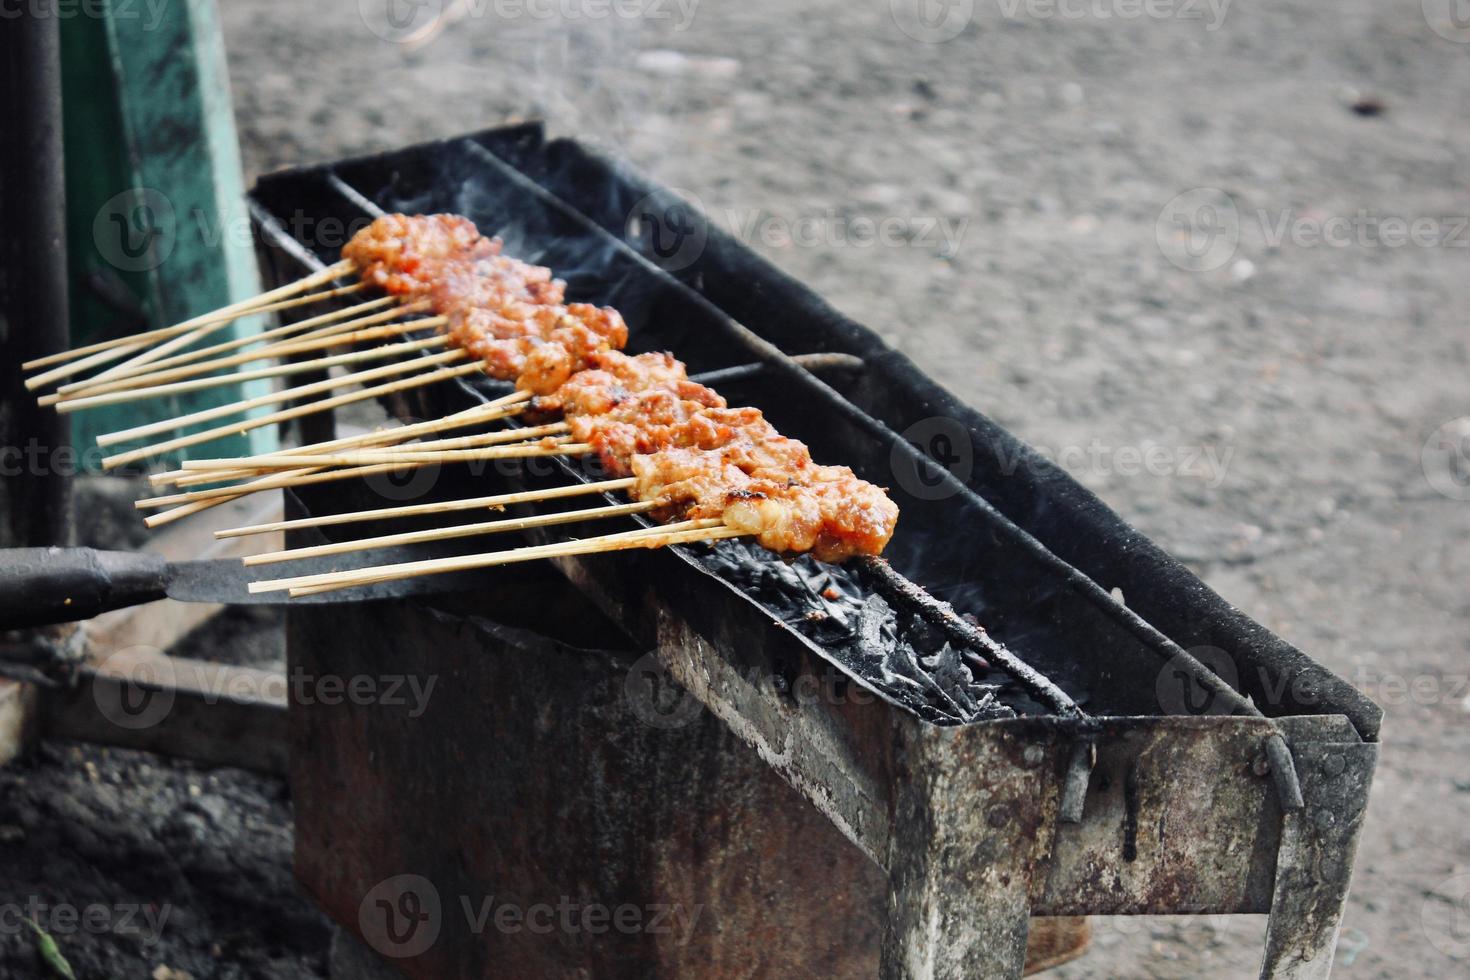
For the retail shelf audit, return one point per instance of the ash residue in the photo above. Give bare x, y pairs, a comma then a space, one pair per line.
897, 652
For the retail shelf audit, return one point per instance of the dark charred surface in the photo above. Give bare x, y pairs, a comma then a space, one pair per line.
1022, 601
898, 652
963, 817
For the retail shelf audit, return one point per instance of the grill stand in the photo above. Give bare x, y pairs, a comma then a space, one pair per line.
539, 773
968, 830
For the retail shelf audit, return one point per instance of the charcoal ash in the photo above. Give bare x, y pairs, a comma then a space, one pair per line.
896, 651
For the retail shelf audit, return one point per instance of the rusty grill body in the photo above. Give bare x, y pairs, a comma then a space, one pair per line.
823, 817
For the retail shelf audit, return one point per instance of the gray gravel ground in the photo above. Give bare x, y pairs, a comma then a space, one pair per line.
1310, 377
1291, 395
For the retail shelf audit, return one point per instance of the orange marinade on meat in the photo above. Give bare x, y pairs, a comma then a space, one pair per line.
405, 255
835, 516
699, 459
642, 415
504, 312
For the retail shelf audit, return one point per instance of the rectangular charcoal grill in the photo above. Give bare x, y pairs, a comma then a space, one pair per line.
860, 796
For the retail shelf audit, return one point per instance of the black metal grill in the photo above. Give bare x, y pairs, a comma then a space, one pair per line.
1027, 551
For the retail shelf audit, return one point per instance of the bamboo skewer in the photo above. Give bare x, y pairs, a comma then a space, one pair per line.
402, 433
234, 310
286, 415
86, 363
408, 460
218, 320
496, 502
303, 457
275, 371
291, 328
309, 477
199, 476
450, 533
282, 350
409, 455
657, 537
497, 409
284, 395
114, 349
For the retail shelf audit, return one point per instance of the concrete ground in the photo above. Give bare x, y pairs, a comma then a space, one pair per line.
1274, 403
1211, 255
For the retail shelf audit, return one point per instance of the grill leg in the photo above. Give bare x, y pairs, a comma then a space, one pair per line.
968, 831
1315, 863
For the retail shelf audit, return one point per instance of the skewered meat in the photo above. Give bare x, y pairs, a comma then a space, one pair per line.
690, 453
509, 314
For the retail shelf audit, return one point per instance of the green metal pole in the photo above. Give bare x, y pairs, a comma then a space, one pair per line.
157, 224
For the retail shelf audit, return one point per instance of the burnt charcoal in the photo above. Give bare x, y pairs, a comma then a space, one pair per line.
900, 654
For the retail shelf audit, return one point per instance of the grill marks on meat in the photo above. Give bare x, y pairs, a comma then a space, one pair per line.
406, 255
509, 314
698, 458
689, 452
